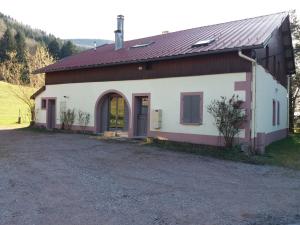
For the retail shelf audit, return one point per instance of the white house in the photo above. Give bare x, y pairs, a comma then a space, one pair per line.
160, 86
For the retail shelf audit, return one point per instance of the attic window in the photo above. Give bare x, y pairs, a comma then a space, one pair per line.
142, 45
203, 43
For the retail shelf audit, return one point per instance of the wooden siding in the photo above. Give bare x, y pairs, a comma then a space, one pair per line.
277, 57
197, 65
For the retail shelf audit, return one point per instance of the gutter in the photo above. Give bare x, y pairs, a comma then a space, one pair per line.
253, 90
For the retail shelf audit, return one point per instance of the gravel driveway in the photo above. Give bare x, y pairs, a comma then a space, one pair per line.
48, 178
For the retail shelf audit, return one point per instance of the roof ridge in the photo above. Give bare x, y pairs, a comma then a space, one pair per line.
209, 25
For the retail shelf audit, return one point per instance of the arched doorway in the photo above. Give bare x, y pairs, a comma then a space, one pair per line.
112, 112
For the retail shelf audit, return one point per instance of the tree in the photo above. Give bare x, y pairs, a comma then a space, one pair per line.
68, 49
40, 58
54, 49
11, 69
295, 80
20, 46
228, 117
7, 44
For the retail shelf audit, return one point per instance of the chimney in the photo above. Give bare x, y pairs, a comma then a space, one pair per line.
119, 33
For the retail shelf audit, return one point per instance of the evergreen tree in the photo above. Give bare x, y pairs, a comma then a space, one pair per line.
54, 49
21, 46
68, 49
7, 44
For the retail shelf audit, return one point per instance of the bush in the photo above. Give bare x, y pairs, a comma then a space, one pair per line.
83, 120
67, 119
228, 117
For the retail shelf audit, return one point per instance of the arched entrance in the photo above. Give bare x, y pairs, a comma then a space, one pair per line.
112, 112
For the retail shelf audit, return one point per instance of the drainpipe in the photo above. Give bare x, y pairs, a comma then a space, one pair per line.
253, 88
288, 101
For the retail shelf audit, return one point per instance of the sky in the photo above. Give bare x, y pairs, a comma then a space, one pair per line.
97, 19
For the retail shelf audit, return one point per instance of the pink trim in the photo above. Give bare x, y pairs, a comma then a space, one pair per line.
191, 138
134, 116
74, 127
246, 86
182, 94
98, 114
264, 139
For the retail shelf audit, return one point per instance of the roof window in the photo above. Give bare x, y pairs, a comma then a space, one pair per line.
142, 45
203, 42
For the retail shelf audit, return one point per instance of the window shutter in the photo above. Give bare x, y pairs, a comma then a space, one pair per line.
195, 109
278, 112
274, 114
187, 105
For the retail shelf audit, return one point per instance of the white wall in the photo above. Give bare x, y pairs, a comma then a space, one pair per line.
165, 95
268, 89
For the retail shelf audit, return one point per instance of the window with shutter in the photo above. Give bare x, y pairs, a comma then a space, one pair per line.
43, 104
274, 113
191, 108
278, 113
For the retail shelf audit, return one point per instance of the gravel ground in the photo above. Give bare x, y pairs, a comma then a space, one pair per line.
48, 178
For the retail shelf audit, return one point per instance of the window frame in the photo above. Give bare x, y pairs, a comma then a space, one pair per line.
42, 106
182, 95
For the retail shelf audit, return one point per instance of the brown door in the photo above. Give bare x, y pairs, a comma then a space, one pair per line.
51, 114
142, 106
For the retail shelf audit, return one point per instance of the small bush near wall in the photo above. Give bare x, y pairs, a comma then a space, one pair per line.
83, 120
228, 116
67, 119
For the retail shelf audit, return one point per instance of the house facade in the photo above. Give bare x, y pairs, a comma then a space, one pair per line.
161, 86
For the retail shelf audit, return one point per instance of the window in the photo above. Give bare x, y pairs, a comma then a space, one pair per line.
278, 112
203, 42
191, 108
267, 57
274, 113
142, 45
43, 104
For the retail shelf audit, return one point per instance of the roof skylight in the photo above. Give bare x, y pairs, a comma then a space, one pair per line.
142, 45
203, 42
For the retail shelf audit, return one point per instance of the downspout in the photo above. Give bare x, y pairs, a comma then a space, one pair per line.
253, 90
288, 101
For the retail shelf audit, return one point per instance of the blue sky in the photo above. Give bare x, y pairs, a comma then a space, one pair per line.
97, 19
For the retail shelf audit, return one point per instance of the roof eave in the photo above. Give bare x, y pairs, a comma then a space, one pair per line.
44, 70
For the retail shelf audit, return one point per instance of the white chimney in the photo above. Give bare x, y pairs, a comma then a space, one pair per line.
119, 33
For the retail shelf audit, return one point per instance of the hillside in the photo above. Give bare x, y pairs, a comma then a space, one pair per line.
33, 36
89, 43
10, 106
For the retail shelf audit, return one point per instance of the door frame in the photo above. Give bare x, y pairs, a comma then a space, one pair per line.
134, 113
47, 112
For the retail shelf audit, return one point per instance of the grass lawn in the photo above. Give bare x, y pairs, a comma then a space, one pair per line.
10, 106
284, 153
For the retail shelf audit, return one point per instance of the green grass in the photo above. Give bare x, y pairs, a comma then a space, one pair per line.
285, 153
10, 106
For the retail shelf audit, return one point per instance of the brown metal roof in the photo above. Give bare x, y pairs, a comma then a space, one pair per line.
241, 34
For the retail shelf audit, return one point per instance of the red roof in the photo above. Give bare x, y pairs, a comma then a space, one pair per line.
241, 34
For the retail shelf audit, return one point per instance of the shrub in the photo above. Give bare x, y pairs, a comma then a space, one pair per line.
67, 119
228, 117
83, 120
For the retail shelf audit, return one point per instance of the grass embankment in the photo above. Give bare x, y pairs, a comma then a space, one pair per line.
285, 153
10, 106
